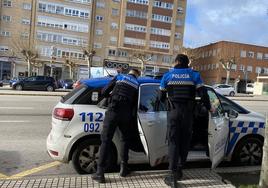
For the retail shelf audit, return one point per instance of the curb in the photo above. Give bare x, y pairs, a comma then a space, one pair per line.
35, 94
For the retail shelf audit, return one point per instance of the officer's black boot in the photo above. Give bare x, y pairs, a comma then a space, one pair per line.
171, 179
124, 170
179, 173
99, 175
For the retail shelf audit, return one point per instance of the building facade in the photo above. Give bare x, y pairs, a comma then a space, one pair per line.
250, 61
117, 30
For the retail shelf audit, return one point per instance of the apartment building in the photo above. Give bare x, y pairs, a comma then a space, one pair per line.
117, 30
251, 61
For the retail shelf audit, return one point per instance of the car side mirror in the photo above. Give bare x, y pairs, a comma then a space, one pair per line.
232, 114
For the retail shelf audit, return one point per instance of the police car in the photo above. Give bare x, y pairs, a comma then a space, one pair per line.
231, 133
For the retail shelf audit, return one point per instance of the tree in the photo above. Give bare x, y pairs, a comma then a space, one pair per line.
142, 56
23, 50
88, 56
227, 64
71, 64
193, 54
264, 171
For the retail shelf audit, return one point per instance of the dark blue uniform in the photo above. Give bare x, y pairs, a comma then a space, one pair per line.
180, 85
123, 93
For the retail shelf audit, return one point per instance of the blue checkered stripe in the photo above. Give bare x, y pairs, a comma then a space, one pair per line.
241, 127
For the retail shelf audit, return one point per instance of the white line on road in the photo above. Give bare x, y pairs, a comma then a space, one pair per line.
14, 121
17, 108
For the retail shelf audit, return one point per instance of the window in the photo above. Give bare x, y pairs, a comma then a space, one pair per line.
249, 68
164, 5
3, 48
137, 28
116, 1
179, 22
136, 14
251, 54
143, 2
265, 56
99, 18
112, 52
177, 35
242, 68
6, 18
99, 31
227, 105
134, 41
113, 40
258, 70
114, 25
234, 66
259, 55
115, 12
180, 10
5, 33
148, 99
166, 59
158, 31
122, 53
100, 5
161, 18
215, 103
97, 45
25, 21
157, 44
27, 6
7, 3
243, 53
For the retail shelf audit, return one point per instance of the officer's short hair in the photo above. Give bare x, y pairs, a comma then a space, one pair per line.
134, 71
183, 59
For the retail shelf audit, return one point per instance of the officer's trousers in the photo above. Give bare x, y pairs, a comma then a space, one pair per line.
180, 119
118, 115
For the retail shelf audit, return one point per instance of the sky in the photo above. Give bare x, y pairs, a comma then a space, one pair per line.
209, 21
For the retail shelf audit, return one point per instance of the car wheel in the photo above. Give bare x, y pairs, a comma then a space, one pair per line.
86, 155
232, 93
248, 152
50, 88
18, 87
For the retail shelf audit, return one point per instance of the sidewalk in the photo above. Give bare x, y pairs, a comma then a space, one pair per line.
192, 178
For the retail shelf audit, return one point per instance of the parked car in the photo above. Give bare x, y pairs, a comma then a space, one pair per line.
36, 83
1, 83
77, 122
14, 80
250, 88
224, 89
66, 83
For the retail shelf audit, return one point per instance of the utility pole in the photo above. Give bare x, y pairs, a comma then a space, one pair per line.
53, 58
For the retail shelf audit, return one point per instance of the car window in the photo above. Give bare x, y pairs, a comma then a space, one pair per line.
228, 104
71, 96
148, 99
215, 103
91, 96
30, 79
40, 78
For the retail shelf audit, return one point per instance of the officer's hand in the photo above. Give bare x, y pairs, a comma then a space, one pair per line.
212, 110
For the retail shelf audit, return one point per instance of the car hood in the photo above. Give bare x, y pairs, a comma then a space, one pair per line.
251, 117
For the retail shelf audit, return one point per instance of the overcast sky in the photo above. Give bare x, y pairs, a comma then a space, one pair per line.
244, 21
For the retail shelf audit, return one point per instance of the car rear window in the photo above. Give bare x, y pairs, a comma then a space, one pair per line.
71, 96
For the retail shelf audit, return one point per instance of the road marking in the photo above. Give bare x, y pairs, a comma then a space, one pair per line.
13, 121
17, 108
33, 170
3, 176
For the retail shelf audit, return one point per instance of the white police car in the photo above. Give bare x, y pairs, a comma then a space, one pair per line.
77, 123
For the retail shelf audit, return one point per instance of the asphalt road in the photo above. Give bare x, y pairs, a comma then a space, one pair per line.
25, 122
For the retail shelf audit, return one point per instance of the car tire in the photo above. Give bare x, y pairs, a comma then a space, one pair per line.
86, 155
50, 88
232, 93
248, 152
18, 87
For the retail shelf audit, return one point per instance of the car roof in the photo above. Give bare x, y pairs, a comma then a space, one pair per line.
101, 82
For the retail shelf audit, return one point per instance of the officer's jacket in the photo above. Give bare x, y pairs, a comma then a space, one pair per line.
181, 84
123, 85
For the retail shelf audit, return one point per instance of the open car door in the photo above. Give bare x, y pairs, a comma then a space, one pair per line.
152, 124
218, 131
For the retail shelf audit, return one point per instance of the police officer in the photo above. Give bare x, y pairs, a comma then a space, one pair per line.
123, 94
178, 87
